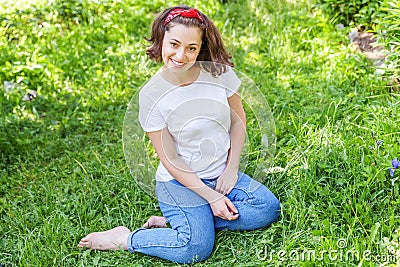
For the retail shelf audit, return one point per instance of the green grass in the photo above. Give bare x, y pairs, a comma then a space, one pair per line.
62, 167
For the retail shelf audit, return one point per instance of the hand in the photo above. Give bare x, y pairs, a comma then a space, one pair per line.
223, 208
226, 181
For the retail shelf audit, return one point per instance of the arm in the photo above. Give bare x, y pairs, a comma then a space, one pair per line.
228, 179
166, 151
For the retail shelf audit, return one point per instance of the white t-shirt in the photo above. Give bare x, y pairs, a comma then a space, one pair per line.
197, 117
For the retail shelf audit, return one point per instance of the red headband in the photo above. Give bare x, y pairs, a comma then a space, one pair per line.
186, 13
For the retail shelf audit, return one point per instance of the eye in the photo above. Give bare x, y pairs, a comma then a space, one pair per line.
192, 49
174, 44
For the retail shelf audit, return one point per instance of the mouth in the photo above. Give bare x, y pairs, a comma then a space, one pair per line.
177, 64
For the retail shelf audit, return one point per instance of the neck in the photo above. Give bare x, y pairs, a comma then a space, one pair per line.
181, 78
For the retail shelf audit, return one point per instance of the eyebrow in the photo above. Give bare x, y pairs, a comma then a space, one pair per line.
180, 42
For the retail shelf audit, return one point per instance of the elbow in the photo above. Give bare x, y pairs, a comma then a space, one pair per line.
170, 161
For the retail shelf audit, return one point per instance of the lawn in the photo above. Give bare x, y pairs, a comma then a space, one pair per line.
63, 172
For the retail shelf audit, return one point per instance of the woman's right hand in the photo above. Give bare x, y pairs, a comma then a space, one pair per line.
223, 208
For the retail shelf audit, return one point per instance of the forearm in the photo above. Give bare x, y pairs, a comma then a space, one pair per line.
166, 151
187, 177
220, 205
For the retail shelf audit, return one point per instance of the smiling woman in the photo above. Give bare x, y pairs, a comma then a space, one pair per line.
193, 115
212, 48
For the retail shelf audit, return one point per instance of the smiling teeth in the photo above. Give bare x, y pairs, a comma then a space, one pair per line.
178, 63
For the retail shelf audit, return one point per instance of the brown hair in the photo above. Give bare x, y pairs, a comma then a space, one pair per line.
212, 48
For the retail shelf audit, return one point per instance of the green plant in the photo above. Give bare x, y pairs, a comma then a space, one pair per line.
358, 12
389, 33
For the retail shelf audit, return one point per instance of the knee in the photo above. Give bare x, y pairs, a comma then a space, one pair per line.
194, 252
271, 211
272, 206
275, 210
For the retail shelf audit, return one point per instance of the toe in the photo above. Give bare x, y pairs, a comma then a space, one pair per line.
84, 243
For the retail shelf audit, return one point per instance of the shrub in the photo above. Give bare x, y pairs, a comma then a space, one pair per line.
389, 30
359, 12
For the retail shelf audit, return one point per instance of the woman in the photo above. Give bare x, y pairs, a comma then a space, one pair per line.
195, 120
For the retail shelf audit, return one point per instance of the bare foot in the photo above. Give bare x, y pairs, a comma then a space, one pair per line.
156, 222
113, 239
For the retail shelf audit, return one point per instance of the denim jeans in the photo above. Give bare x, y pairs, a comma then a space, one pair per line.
191, 236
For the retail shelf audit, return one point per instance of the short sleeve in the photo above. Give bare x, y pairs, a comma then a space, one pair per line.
150, 117
231, 81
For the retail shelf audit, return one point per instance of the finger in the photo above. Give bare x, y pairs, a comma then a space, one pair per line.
229, 189
234, 217
223, 189
222, 211
230, 206
226, 215
230, 216
218, 186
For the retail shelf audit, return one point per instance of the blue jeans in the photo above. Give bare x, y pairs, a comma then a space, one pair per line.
191, 236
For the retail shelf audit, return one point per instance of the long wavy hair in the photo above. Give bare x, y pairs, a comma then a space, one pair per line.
212, 57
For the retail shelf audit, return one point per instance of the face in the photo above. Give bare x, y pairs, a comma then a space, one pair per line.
181, 46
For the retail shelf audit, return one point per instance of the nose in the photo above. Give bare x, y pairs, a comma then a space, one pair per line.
180, 54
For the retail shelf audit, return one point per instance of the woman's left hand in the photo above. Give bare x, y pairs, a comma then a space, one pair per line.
227, 181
